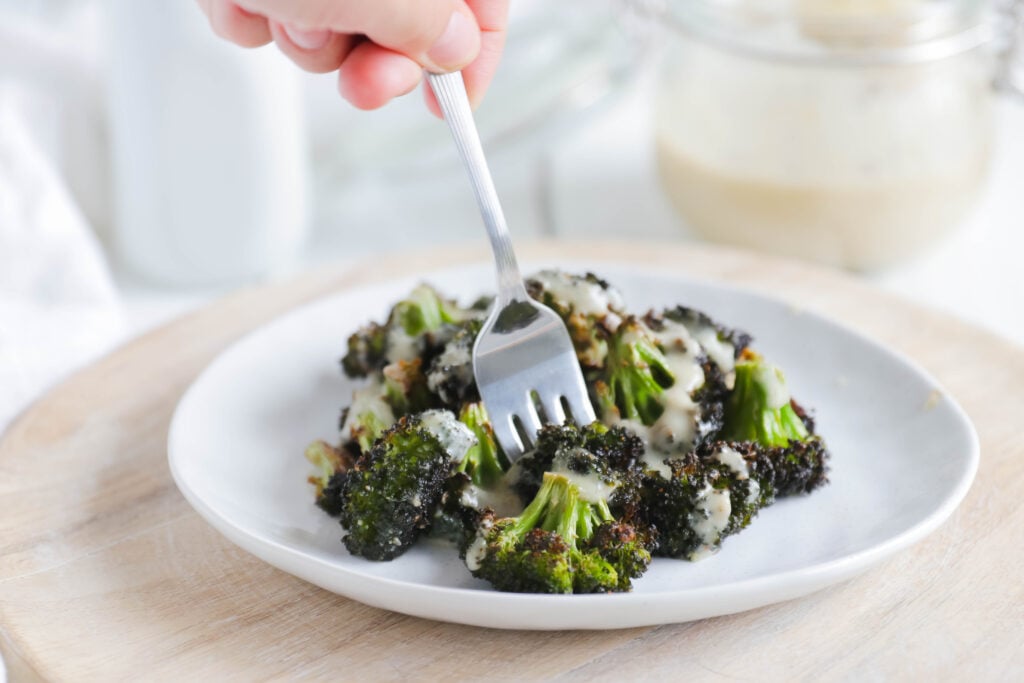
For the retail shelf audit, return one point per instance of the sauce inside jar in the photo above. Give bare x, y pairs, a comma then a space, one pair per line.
853, 165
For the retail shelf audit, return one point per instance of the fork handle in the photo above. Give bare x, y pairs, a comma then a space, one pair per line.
450, 91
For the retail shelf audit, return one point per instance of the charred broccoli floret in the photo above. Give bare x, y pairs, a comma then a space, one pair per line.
332, 466
658, 382
637, 374
366, 418
760, 410
697, 500
590, 307
554, 545
450, 376
389, 497
418, 325
610, 456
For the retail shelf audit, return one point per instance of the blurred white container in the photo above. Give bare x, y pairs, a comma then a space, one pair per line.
850, 132
208, 149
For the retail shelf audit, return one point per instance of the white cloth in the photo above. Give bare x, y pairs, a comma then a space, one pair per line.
58, 305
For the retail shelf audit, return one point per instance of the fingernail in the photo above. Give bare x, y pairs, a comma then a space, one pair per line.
307, 39
458, 45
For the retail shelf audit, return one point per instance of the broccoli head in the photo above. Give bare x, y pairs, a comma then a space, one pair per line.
760, 410
701, 498
369, 414
610, 456
658, 382
392, 492
450, 376
636, 376
554, 545
332, 466
417, 326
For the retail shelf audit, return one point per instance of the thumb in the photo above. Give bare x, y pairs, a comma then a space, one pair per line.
441, 35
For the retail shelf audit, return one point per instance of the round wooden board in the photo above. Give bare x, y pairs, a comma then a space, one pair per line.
107, 574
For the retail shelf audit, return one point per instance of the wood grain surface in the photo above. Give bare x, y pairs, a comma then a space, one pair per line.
107, 574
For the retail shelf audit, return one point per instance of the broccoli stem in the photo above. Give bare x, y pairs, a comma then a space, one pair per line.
483, 461
759, 408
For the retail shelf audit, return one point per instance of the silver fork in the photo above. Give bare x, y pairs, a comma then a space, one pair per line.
524, 362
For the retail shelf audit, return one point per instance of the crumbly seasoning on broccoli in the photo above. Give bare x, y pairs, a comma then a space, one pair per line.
561, 543
391, 493
697, 434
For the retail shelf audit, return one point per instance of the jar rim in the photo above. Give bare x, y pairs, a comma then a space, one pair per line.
822, 41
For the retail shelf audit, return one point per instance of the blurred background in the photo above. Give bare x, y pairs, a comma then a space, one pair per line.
147, 167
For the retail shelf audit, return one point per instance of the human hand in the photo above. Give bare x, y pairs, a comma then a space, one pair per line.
378, 47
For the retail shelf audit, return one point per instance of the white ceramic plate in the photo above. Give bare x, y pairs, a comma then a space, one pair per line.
904, 455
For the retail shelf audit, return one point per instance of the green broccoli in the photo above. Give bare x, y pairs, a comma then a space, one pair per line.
636, 376
553, 546
760, 410
392, 492
332, 466
484, 462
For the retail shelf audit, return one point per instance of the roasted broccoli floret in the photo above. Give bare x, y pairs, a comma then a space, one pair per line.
760, 410
389, 497
417, 326
405, 387
590, 307
367, 416
697, 500
450, 376
332, 466
554, 545
658, 382
609, 456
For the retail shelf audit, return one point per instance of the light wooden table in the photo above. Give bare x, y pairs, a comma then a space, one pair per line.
107, 574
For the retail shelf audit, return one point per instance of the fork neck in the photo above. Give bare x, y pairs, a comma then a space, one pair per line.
451, 97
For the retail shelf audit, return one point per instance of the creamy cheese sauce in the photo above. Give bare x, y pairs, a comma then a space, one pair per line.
477, 550
455, 358
770, 377
584, 297
709, 519
401, 345
502, 500
368, 399
455, 437
734, 461
591, 487
722, 353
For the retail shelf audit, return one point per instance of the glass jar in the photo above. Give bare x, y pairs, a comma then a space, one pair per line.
848, 132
